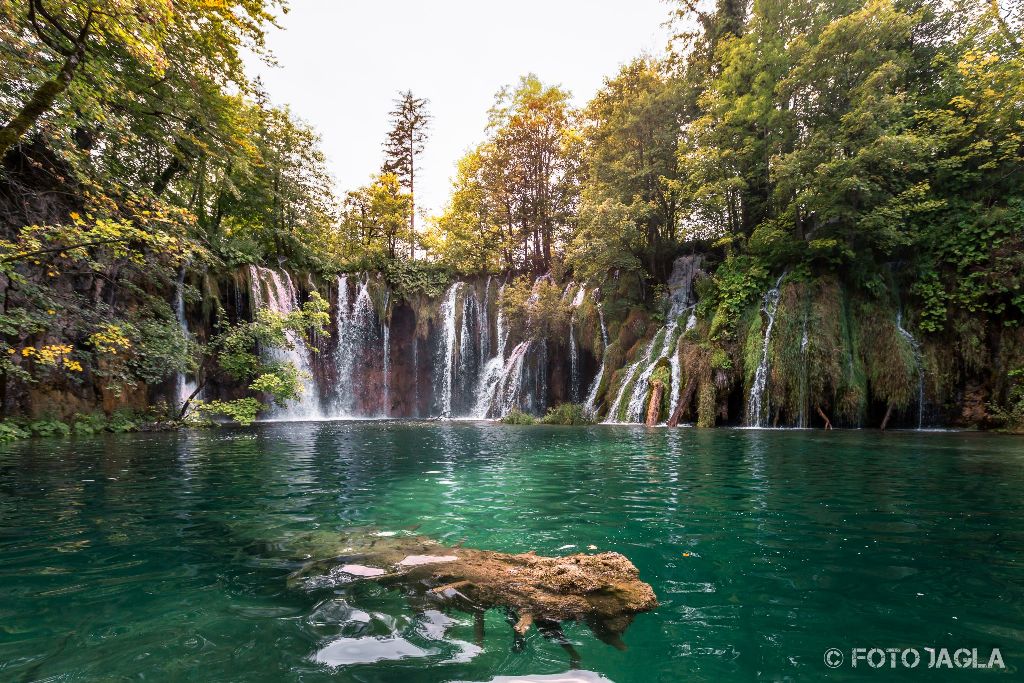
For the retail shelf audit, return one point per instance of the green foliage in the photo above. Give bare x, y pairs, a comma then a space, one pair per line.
567, 414
1011, 415
92, 423
235, 352
515, 195
375, 222
48, 427
243, 411
725, 296
409, 279
517, 417
12, 431
535, 309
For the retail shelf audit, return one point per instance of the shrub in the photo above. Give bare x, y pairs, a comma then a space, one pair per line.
49, 427
89, 424
567, 414
11, 431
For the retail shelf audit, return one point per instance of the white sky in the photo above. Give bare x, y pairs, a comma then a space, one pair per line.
342, 62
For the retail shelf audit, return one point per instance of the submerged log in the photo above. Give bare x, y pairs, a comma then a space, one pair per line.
603, 590
888, 414
683, 407
828, 424
654, 404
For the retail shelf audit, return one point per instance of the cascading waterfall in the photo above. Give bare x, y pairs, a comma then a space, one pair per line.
282, 297
664, 345
589, 405
186, 384
510, 383
361, 338
574, 352
386, 352
476, 370
918, 361
493, 369
448, 315
804, 342
518, 381
757, 407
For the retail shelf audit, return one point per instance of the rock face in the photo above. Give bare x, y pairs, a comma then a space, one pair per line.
602, 590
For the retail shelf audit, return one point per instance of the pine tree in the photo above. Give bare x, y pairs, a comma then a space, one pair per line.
409, 123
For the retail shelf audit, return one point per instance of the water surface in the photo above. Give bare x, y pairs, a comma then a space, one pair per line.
165, 556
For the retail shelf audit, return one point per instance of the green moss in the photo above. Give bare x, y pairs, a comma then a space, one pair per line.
706, 404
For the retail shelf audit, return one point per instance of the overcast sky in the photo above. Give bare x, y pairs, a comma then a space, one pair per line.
342, 62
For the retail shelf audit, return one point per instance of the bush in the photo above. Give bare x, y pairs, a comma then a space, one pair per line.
89, 424
48, 427
517, 417
124, 421
567, 414
11, 431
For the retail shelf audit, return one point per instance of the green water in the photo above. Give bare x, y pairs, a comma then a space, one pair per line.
165, 556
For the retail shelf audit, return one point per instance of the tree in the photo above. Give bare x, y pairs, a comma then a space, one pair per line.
373, 220
409, 123
90, 50
631, 190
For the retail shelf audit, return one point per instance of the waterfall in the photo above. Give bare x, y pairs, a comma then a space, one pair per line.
386, 352
638, 375
757, 407
918, 361
282, 298
518, 381
186, 385
448, 315
510, 384
595, 386
804, 341
574, 352
493, 369
676, 368
485, 327
360, 339
664, 345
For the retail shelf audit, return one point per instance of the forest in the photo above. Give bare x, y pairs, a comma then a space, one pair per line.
842, 180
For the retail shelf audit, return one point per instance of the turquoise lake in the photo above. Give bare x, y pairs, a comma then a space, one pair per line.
166, 556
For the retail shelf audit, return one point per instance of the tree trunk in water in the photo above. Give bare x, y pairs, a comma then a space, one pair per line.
828, 425
683, 407
888, 415
40, 102
654, 405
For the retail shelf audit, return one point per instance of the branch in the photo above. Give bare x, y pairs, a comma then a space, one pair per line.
49, 250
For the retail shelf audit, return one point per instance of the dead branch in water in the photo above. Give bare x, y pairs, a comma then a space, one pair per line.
603, 590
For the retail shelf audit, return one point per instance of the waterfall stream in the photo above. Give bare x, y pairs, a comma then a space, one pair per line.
448, 316
186, 385
589, 405
918, 361
663, 346
757, 406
